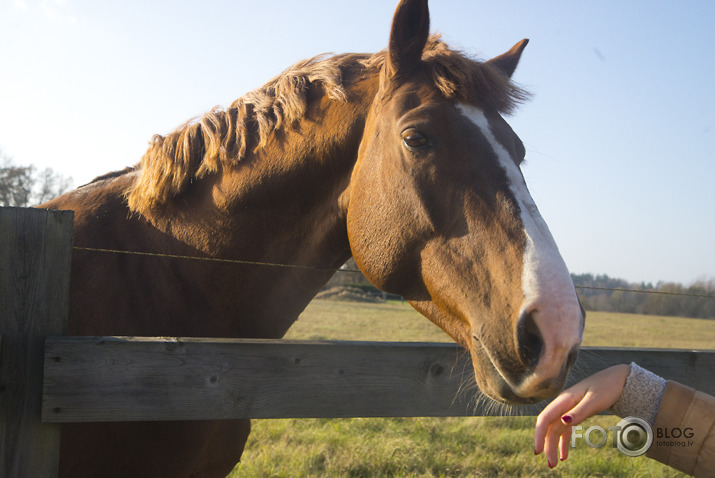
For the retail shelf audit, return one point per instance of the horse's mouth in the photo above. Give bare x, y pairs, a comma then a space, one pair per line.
491, 380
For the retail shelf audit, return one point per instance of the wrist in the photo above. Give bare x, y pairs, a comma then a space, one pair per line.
642, 391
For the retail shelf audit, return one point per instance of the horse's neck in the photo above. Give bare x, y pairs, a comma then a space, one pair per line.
280, 205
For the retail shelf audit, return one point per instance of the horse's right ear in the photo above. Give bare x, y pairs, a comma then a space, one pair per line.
508, 61
408, 37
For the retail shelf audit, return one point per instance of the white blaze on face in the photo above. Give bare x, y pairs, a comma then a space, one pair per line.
548, 289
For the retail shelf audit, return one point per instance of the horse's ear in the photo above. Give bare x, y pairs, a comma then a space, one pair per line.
408, 37
508, 61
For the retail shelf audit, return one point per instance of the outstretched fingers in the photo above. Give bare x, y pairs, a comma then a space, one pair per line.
552, 434
551, 415
574, 405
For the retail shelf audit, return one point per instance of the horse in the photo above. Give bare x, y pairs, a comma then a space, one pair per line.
401, 159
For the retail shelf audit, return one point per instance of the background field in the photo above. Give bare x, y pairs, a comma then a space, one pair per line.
445, 447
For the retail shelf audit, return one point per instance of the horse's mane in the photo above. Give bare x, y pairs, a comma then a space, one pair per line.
223, 137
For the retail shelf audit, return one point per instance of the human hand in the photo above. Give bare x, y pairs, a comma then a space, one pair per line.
590, 396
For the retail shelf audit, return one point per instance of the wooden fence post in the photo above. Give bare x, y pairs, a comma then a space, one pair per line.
35, 257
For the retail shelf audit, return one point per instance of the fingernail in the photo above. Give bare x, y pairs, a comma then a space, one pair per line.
567, 418
562, 458
535, 452
548, 462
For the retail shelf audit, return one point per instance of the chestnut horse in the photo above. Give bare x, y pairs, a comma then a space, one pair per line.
401, 159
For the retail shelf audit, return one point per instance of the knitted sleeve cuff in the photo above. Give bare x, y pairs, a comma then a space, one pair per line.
641, 395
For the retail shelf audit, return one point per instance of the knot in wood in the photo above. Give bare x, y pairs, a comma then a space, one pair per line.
436, 369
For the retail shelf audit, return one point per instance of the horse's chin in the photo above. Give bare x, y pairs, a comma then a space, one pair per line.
506, 395
491, 382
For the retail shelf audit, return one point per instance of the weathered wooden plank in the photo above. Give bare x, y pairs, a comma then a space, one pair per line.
120, 379
35, 254
116, 379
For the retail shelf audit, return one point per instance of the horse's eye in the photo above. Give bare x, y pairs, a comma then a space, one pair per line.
414, 139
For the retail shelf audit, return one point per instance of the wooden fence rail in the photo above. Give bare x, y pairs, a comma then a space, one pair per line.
122, 378
133, 379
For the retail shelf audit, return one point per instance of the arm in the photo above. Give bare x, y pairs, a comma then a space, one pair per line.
633, 391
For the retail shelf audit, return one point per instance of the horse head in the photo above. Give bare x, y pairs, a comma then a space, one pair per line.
438, 211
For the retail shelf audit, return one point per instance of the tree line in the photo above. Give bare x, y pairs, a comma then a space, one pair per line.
24, 186
664, 298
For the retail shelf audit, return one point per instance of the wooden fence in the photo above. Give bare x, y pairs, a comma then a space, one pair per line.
47, 378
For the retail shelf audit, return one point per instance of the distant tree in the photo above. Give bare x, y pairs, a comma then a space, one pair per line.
609, 294
24, 186
348, 274
706, 306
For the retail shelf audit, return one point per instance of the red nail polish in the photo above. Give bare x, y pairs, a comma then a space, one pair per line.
548, 462
567, 418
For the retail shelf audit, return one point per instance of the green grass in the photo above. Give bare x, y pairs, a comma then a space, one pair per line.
391, 321
632, 330
424, 447
444, 447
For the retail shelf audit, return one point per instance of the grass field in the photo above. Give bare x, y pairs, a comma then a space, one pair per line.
444, 447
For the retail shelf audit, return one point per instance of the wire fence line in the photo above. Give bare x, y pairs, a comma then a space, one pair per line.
644, 291
206, 259
346, 270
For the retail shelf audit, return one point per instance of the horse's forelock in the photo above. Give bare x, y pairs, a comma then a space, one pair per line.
222, 137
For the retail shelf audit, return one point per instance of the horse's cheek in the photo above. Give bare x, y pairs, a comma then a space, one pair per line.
384, 247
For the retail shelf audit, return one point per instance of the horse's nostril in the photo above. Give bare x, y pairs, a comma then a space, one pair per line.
528, 339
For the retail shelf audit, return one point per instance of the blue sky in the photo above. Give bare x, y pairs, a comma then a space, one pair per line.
619, 133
